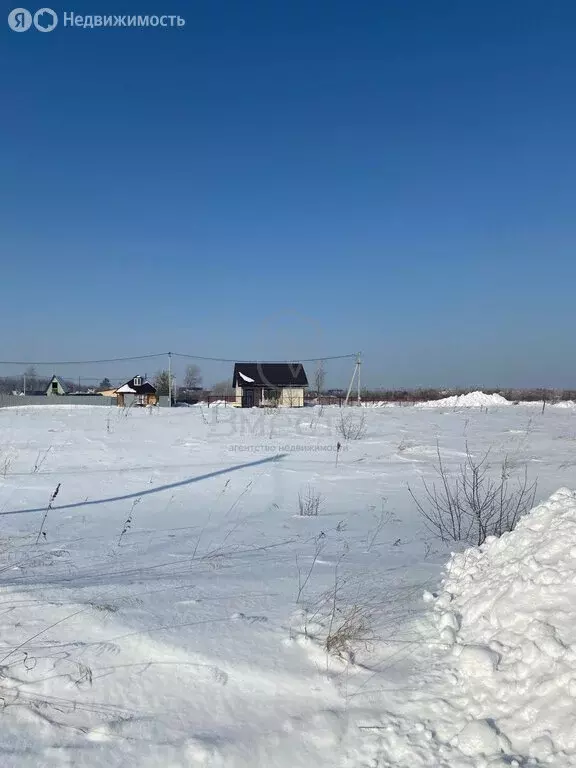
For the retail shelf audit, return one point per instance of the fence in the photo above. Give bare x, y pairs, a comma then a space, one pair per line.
209, 398
10, 401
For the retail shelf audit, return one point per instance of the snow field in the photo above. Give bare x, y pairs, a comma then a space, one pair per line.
197, 637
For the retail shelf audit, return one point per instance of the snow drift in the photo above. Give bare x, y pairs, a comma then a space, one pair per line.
507, 610
470, 400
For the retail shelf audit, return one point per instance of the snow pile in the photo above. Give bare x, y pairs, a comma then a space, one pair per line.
470, 400
507, 610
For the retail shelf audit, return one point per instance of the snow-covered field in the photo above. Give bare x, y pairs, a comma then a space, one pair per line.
176, 606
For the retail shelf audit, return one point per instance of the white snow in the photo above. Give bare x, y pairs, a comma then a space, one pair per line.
515, 648
245, 378
176, 609
380, 404
470, 400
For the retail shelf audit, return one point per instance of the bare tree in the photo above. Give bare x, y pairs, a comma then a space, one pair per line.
319, 377
192, 377
31, 378
223, 387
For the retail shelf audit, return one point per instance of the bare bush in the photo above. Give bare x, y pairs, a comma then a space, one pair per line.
303, 579
5, 463
351, 627
382, 519
474, 504
309, 503
342, 619
351, 426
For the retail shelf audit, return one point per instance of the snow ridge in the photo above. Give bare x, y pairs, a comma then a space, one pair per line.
507, 610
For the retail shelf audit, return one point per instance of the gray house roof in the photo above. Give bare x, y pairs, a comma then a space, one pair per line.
273, 375
144, 388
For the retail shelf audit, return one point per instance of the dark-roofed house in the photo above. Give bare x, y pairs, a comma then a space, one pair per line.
258, 384
55, 387
137, 391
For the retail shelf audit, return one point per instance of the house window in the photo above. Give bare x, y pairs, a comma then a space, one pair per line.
137, 381
54, 386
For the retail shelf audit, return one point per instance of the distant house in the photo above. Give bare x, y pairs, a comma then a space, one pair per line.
55, 388
107, 392
257, 384
137, 391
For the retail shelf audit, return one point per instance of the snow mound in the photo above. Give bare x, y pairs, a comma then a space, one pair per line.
507, 610
470, 400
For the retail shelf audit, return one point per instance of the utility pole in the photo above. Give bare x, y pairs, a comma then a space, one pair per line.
24, 384
355, 373
169, 379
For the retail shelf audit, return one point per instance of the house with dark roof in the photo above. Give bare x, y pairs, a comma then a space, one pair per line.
137, 392
55, 387
257, 384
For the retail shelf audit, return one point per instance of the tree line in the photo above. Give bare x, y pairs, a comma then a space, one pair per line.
192, 383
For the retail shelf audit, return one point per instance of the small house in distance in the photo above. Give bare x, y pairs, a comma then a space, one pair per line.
257, 384
137, 391
55, 387
107, 392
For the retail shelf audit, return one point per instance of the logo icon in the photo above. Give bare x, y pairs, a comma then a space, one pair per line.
45, 20
19, 20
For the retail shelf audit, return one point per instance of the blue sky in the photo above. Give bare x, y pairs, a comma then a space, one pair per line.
286, 180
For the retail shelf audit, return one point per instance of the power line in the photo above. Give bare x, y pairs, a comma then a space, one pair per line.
80, 362
291, 360
164, 354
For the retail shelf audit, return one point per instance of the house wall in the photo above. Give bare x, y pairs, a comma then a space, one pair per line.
292, 397
257, 396
50, 393
128, 399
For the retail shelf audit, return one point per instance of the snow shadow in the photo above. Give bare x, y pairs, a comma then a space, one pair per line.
149, 491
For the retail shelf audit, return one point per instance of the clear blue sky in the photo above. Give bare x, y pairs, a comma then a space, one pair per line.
291, 179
